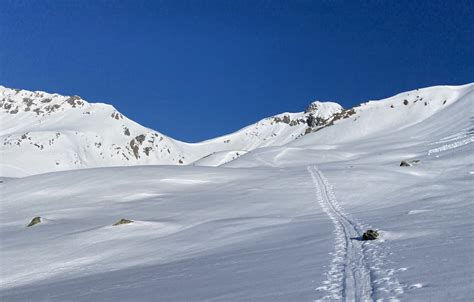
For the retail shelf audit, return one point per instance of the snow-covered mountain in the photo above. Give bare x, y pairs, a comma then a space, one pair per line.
42, 132
413, 117
278, 223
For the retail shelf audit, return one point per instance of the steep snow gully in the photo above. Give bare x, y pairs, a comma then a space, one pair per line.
352, 276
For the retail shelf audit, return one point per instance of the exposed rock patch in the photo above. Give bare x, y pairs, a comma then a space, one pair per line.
315, 121
74, 101
286, 119
409, 163
116, 115
123, 221
147, 150
404, 164
126, 131
135, 148
370, 235
140, 138
34, 221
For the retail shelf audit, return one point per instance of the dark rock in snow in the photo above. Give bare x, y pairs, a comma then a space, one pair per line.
34, 221
126, 131
405, 164
140, 138
313, 121
370, 235
123, 221
409, 163
312, 107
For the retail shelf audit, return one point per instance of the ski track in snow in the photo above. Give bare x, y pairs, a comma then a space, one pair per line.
453, 145
357, 271
466, 136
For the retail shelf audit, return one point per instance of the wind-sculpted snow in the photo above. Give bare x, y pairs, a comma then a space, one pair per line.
264, 227
197, 234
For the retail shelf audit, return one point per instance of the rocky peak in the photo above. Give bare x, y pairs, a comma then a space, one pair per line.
323, 109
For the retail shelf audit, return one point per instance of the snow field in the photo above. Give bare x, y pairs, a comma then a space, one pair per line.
279, 223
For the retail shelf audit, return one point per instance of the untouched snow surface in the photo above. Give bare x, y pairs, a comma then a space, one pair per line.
276, 224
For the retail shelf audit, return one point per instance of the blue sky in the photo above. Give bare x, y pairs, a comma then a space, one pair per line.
198, 69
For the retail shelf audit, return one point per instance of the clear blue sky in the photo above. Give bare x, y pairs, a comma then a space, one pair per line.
197, 69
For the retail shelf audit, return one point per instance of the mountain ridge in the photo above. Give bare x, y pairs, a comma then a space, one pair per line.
43, 132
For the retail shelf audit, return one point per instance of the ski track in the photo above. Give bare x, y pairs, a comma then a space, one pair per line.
453, 145
357, 271
466, 136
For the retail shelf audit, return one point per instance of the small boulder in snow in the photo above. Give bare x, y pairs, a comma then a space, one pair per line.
409, 163
34, 221
123, 221
370, 235
405, 164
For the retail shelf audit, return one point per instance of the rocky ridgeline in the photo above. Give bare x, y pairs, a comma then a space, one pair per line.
13, 101
315, 116
67, 132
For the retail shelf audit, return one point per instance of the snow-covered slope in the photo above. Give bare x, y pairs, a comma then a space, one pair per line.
402, 111
424, 211
411, 118
218, 158
283, 224
42, 132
